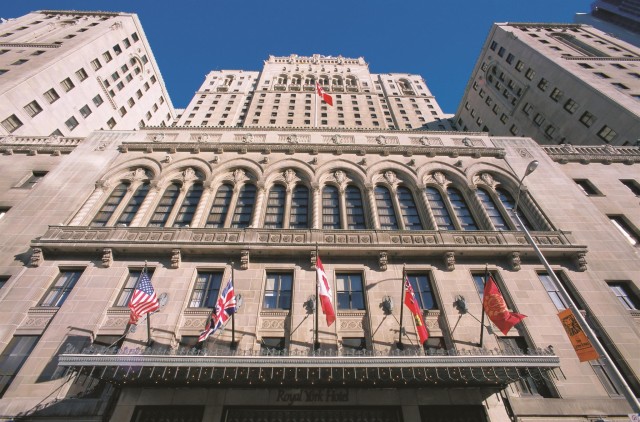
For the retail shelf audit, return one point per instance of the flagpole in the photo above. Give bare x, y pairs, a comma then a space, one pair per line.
233, 315
315, 114
144, 271
404, 278
486, 274
316, 344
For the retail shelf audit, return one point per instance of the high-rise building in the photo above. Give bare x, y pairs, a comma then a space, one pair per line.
67, 73
556, 83
283, 95
197, 205
620, 18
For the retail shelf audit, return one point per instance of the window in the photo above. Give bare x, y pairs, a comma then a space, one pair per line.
408, 209
355, 208
33, 108
539, 119
509, 58
331, 208
220, 207
501, 51
13, 357
461, 210
587, 187
519, 66
19, 62
353, 345
274, 215
508, 203
133, 206
111, 123
623, 227
543, 84
67, 85
97, 100
72, 123
553, 291
498, 221
421, 284
277, 291
85, 111
95, 64
34, 178
51, 96
61, 288
81, 74
530, 73
168, 200
244, 207
386, 210
632, 185
107, 56
607, 134
127, 290
528, 385
206, 289
602, 371
109, 207
272, 346
571, 106
556, 94
439, 209
11, 123
527, 109
624, 295
350, 292
587, 119
514, 130
602, 75
188, 207
3, 211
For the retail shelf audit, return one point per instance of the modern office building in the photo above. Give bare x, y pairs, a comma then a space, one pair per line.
67, 73
198, 204
555, 83
283, 95
620, 18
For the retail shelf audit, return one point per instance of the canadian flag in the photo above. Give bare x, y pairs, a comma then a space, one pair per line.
324, 291
326, 97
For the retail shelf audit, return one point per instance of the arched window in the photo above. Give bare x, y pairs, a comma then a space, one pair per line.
336, 80
439, 209
282, 79
220, 207
461, 209
295, 80
408, 209
499, 223
244, 207
106, 211
355, 209
508, 203
351, 81
189, 205
299, 208
330, 208
134, 204
274, 215
323, 80
168, 200
386, 212
309, 80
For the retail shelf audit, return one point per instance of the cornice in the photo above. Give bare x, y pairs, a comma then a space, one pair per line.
605, 154
29, 45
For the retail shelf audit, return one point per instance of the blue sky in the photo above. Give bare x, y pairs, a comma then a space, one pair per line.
439, 40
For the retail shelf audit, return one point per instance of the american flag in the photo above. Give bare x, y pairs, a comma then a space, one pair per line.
225, 307
143, 300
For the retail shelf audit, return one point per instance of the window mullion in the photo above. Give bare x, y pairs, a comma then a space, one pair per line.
430, 218
232, 205
373, 208
287, 207
131, 190
178, 204
343, 208
203, 204
395, 203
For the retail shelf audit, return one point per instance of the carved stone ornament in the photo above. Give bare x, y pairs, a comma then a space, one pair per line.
450, 261
440, 178
189, 174
176, 258
381, 140
137, 174
581, 261
487, 179
158, 137
390, 176
314, 259
244, 260
336, 139
340, 176
239, 175
7, 139
201, 137
102, 185
514, 258
292, 139
383, 259
289, 176
36, 257
107, 257
248, 138
167, 159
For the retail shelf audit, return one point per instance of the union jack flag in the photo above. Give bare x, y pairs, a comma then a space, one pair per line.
225, 307
143, 300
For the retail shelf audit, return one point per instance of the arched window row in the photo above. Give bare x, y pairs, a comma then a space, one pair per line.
337, 203
307, 82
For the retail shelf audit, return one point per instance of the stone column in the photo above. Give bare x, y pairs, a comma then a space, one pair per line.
316, 206
150, 199
373, 211
200, 209
257, 209
89, 203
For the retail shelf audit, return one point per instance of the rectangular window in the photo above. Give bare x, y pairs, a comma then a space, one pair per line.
206, 290
353, 345
97, 100
632, 185
34, 178
607, 134
85, 111
81, 74
107, 56
272, 346
61, 288
11, 123
625, 296
527, 109
33, 108
514, 130
117, 49
510, 58
552, 291
587, 187
51, 96
530, 73
625, 228
519, 66
543, 84
277, 291
95, 64
587, 119
422, 288
501, 51
111, 123
539, 119
127, 290
556, 94
13, 357
602, 371
528, 385
571, 106
67, 84
71, 123
350, 291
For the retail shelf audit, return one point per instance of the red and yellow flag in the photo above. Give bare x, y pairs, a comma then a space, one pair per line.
416, 311
496, 308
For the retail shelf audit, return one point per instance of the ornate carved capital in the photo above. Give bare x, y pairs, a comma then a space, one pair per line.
450, 260
107, 257
176, 258
580, 260
314, 259
244, 260
36, 257
383, 259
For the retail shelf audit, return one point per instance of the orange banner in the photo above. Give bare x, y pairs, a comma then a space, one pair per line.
579, 340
